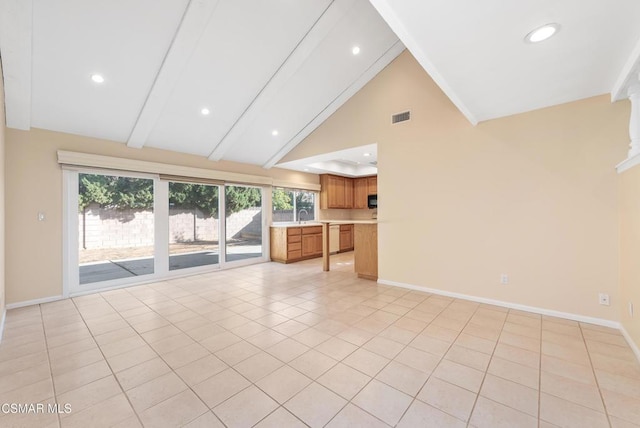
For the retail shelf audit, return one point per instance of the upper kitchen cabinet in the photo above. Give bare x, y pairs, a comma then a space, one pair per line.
335, 192
363, 187
344, 192
360, 192
372, 185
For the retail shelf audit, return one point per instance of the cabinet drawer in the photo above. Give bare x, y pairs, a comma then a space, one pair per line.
294, 254
293, 231
295, 246
294, 238
345, 227
311, 230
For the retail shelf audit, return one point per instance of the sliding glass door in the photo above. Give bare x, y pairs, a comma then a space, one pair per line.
127, 228
194, 225
115, 227
243, 222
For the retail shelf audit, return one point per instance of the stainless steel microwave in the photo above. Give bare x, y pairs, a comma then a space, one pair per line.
372, 201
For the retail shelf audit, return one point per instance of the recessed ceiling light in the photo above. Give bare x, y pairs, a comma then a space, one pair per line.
97, 78
205, 111
306, 169
542, 33
355, 50
367, 154
274, 132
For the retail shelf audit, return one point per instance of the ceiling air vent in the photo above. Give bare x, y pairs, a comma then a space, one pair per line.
401, 117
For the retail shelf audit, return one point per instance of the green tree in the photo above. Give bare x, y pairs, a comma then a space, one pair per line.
115, 192
281, 200
137, 193
239, 198
195, 196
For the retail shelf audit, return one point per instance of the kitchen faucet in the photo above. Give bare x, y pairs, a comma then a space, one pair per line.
300, 215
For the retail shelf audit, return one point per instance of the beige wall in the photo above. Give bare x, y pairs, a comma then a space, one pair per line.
2, 193
34, 262
629, 250
532, 195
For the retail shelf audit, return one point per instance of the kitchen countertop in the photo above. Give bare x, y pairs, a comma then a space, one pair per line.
349, 221
296, 224
320, 222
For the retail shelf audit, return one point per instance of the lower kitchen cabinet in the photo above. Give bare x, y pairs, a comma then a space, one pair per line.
346, 237
292, 244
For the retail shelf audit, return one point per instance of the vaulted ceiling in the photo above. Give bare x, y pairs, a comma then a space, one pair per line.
476, 52
267, 73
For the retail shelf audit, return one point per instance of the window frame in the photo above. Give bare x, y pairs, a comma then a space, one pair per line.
71, 286
316, 196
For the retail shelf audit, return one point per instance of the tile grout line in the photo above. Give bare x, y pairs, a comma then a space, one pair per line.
484, 376
163, 360
414, 398
350, 401
105, 359
593, 370
212, 353
326, 371
248, 292
46, 345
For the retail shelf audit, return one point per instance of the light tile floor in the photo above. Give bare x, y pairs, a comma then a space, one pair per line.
274, 345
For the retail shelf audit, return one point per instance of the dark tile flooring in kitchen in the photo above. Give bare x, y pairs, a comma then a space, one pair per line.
274, 345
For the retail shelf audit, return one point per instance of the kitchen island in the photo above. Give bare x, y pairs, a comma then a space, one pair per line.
365, 246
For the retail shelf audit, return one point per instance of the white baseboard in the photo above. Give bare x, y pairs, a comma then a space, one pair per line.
534, 309
633, 345
34, 302
4, 317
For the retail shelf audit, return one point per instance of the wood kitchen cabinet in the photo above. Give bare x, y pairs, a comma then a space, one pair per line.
360, 192
348, 193
344, 192
372, 185
366, 251
311, 241
362, 188
292, 244
346, 237
335, 191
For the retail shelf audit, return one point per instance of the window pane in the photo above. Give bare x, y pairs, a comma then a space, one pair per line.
293, 205
193, 225
243, 227
282, 205
305, 205
116, 227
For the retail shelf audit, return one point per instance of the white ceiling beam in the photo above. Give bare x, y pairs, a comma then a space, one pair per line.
321, 28
16, 18
628, 74
194, 22
385, 9
337, 102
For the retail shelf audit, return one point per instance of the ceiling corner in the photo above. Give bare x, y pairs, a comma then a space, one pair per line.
392, 53
628, 75
387, 12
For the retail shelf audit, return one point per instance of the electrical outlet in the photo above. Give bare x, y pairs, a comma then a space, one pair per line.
603, 299
631, 309
41, 216
504, 279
